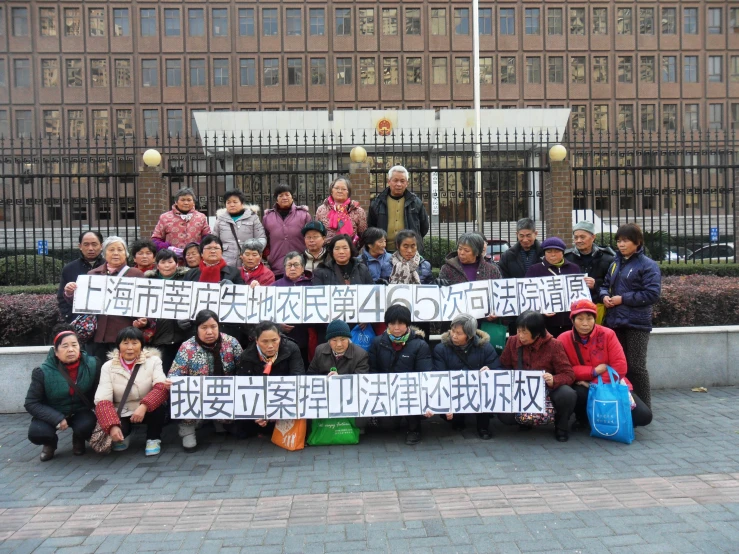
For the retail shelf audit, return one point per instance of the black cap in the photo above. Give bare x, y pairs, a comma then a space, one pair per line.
314, 226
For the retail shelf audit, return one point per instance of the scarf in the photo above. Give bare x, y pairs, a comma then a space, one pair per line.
250, 274
215, 351
235, 217
184, 216
283, 213
338, 217
144, 269
72, 370
267, 361
405, 271
211, 273
559, 263
121, 271
399, 341
126, 365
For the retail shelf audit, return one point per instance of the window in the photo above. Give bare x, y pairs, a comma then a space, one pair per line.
294, 20
122, 73
294, 71
196, 22
175, 127
669, 21
247, 72
47, 22
366, 22
669, 117
646, 21
507, 21
691, 119
149, 76
220, 22
52, 123
2, 32
49, 73
318, 71
72, 22
533, 21
647, 69
715, 69
624, 21
197, 73
734, 69
220, 72
690, 21
734, 19
735, 116
390, 21
74, 73
648, 117
148, 22
174, 73
556, 69
172, 22
486, 71
600, 21
438, 21
714, 21
79, 213
124, 123
413, 75
626, 117
317, 22
669, 69
121, 25
554, 21
246, 22
151, 123
577, 21
23, 124
691, 69
20, 22
533, 70
461, 21
390, 71
439, 71
625, 69
508, 71
344, 22
715, 116
100, 123
600, 69
485, 21
413, 21
3, 76
96, 19
577, 70
344, 71
367, 72
271, 72
99, 73
600, 117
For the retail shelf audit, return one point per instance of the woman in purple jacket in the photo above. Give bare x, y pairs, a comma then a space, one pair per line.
283, 225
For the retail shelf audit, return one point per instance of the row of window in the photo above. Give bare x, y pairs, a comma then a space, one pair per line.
650, 119
624, 19
625, 68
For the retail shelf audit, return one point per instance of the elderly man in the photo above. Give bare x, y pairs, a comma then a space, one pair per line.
91, 247
516, 261
591, 258
396, 208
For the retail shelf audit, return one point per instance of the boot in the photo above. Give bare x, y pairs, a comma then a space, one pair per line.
47, 452
78, 445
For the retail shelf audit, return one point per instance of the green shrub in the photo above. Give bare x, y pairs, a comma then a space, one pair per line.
697, 300
29, 270
29, 289
719, 270
435, 250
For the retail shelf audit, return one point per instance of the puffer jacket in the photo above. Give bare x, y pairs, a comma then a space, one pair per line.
545, 353
638, 281
596, 265
192, 359
379, 268
288, 361
414, 214
284, 235
172, 230
602, 348
324, 274
414, 357
476, 354
246, 227
354, 361
356, 214
453, 272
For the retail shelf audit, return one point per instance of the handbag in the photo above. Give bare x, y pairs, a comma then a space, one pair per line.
290, 434
100, 441
498, 334
85, 325
609, 410
544, 418
327, 432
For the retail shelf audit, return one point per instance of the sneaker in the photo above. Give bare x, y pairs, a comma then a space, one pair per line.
120, 446
190, 443
485, 434
153, 447
412, 437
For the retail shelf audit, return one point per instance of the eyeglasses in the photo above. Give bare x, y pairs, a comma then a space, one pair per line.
296, 265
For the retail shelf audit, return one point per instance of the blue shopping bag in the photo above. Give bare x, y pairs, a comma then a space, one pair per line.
363, 338
609, 410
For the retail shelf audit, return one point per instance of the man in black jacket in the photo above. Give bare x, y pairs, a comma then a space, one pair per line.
91, 247
396, 208
591, 258
516, 261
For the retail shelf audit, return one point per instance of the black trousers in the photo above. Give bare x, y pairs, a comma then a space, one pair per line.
168, 353
43, 433
154, 422
641, 415
563, 399
482, 420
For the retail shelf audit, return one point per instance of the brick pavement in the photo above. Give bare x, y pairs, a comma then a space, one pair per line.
676, 489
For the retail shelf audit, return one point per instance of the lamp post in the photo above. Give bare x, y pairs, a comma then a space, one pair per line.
557, 153
477, 135
152, 157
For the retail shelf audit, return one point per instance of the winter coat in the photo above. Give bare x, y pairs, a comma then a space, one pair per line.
49, 397
246, 227
70, 272
172, 230
453, 272
545, 269
356, 214
288, 362
425, 275
114, 379
227, 272
512, 266
414, 357
284, 235
355, 360
326, 275
167, 331
262, 275
477, 353
638, 282
414, 214
285, 281
110, 325
602, 348
192, 359
379, 268
311, 263
596, 265
545, 354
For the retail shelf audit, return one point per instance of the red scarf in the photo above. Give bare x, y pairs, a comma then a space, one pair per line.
339, 218
211, 273
73, 369
144, 269
256, 273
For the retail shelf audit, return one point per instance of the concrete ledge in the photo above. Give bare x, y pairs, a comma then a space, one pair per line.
679, 358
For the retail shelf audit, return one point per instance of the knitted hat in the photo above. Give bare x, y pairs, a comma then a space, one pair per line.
338, 328
583, 307
314, 226
554, 243
584, 225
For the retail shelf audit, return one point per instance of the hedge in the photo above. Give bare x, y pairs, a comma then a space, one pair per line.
435, 250
29, 289
29, 270
719, 270
27, 319
697, 300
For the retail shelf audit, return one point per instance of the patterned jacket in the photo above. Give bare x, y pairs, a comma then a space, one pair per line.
356, 214
172, 230
193, 360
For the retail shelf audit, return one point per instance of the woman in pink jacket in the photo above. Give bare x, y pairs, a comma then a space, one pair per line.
340, 214
183, 224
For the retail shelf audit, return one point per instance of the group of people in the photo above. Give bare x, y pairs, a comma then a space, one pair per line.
121, 377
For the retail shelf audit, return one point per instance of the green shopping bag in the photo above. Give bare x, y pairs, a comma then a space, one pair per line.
325, 432
497, 334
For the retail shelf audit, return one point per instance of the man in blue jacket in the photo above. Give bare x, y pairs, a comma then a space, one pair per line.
91, 247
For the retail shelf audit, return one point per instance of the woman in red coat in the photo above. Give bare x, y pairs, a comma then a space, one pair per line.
590, 349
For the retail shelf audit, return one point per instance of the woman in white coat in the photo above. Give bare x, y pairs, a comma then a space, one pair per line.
237, 224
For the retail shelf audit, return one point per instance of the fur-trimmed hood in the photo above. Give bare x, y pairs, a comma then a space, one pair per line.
480, 338
255, 209
147, 352
154, 273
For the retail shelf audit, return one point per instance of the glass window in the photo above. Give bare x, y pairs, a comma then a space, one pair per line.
439, 70
151, 123
121, 24
413, 75
23, 124
507, 21
669, 117
247, 72
486, 21
72, 22
554, 21
220, 22
76, 123
197, 73
735, 116
20, 22
734, 69
462, 71
577, 70
715, 116
3, 76
294, 71
600, 117
124, 123
624, 21
486, 71
366, 22
690, 21
74, 73
149, 77
246, 22
47, 21
669, 69
646, 21
122, 74
626, 117
390, 71
578, 118
174, 73
556, 69
389, 21
271, 72
172, 22
461, 21
714, 21
344, 71
148, 21
100, 123
52, 123
367, 72
196, 22
625, 69
344, 22
174, 123
96, 19
533, 21
49, 73
600, 21
648, 117
533, 70
438, 21
734, 20
691, 69
220, 72
317, 22
600, 69
99, 73
294, 20
508, 70
647, 69
318, 71
715, 69
669, 21
577, 21
691, 119
22, 73
413, 21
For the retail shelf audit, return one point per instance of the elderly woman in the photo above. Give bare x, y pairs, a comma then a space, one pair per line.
468, 263
143, 252
630, 289
145, 403
60, 395
208, 353
466, 347
591, 349
341, 266
340, 214
191, 253
314, 236
295, 277
237, 224
374, 255
213, 268
253, 271
338, 355
181, 225
409, 267
283, 225
533, 348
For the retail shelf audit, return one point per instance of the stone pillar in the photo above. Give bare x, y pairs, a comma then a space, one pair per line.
557, 191
362, 188
153, 198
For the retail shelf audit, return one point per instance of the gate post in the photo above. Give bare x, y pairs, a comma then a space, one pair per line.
557, 192
153, 198
359, 175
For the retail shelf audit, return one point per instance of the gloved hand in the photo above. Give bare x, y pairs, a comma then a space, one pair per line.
440, 282
184, 324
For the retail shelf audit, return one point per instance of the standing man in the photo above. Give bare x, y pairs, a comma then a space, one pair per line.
516, 261
396, 208
91, 247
